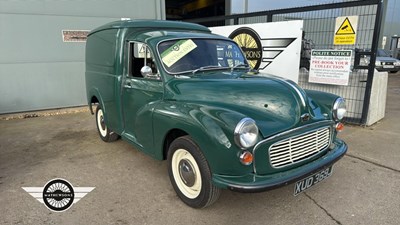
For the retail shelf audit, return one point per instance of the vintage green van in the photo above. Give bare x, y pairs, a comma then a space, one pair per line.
179, 93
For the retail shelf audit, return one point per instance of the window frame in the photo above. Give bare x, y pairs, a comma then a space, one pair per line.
131, 57
183, 38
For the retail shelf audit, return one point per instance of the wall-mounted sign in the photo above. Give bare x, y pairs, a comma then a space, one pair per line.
272, 48
75, 35
345, 30
330, 67
250, 43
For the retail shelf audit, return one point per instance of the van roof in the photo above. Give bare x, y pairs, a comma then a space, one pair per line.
153, 24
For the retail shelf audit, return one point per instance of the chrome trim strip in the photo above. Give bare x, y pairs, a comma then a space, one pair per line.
324, 122
303, 101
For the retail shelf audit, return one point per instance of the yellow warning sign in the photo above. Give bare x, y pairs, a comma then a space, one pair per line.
345, 30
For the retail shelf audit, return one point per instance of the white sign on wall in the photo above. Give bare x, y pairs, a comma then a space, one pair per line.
272, 48
330, 66
75, 35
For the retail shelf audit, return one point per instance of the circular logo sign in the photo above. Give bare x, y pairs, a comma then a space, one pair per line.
58, 195
250, 43
175, 48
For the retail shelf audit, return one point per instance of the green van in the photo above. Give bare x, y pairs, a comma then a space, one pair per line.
179, 93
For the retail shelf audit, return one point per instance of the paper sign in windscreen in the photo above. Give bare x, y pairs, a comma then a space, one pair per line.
177, 51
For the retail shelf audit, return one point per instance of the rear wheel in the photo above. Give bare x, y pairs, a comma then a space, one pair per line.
190, 174
105, 133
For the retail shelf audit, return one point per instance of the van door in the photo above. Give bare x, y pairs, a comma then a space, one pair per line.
140, 95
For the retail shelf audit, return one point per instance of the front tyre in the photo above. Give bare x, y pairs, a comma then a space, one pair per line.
190, 174
105, 133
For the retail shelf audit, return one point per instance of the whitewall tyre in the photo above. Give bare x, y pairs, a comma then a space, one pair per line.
104, 132
190, 174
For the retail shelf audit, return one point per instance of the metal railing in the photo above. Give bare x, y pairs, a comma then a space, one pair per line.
318, 26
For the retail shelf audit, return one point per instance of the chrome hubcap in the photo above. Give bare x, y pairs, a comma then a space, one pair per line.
187, 173
103, 125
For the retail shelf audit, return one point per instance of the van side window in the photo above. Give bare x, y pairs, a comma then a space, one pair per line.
141, 56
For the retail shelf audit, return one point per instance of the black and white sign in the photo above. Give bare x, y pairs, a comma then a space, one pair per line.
312, 180
272, 48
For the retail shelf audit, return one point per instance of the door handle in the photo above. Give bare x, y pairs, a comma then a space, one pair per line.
128, 84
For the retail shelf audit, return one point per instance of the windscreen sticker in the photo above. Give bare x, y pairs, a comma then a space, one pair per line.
177, 51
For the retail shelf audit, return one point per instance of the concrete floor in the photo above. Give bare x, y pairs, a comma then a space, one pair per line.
132, 188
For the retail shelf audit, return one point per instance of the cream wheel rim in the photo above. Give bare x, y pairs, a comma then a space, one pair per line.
186, 173
100, 123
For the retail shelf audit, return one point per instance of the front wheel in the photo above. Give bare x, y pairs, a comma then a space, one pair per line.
105, 133
190, 174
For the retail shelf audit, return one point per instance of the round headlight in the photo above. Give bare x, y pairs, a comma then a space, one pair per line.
339, 109
246, 133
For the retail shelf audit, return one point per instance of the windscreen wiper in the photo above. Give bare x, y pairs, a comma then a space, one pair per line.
246, 66
208, 67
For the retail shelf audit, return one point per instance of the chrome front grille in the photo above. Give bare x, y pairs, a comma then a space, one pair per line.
295, 149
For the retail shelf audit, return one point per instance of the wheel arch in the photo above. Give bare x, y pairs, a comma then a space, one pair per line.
93, 101
211, 128
206, 126
93, 98
169, 138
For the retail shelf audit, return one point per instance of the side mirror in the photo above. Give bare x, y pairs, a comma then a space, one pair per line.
146, 71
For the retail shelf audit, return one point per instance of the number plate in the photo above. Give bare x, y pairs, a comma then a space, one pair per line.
310, 181
388, 66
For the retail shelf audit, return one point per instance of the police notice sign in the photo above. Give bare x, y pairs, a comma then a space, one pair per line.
330, 66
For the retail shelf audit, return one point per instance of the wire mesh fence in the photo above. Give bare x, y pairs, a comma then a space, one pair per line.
319, 30
319, 27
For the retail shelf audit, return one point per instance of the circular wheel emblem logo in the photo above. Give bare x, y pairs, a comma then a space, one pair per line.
58, 195
250, 43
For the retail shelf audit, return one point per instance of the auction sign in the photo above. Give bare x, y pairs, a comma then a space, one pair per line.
330, 67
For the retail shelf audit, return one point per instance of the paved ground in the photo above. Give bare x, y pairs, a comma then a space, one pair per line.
132, 188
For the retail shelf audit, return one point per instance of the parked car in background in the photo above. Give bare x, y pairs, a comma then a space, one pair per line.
385, 62
179, 93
